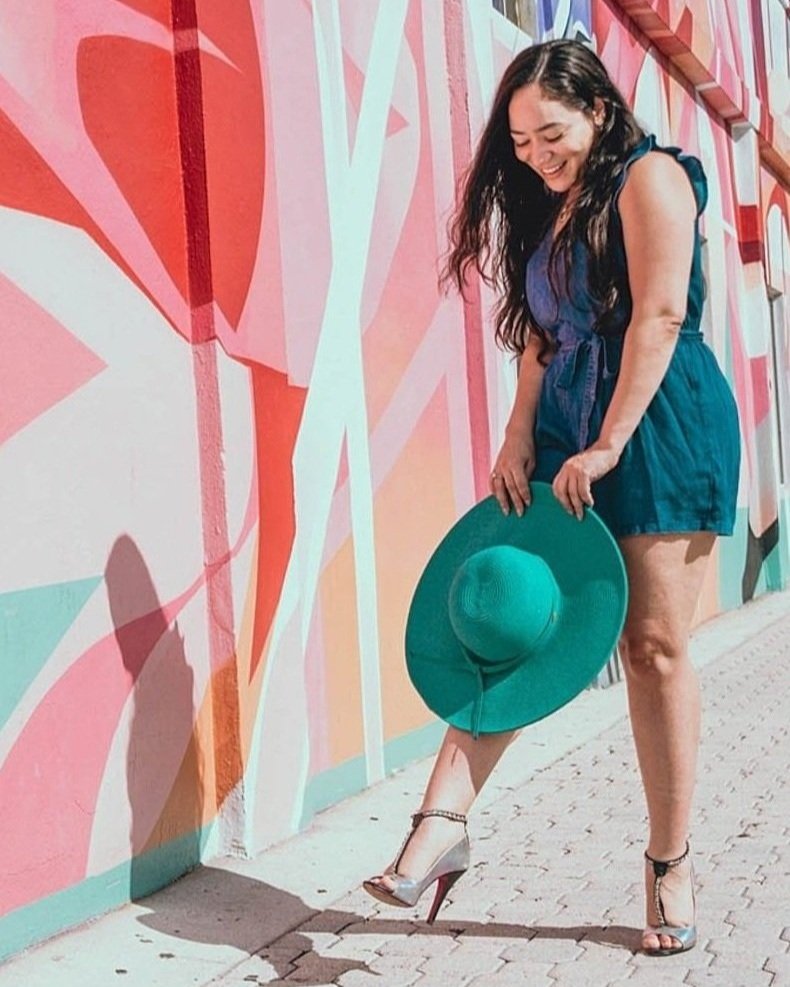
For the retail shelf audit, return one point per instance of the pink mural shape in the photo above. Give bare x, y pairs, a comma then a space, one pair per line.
42, 362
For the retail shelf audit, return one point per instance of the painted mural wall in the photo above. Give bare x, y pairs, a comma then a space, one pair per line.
237, 415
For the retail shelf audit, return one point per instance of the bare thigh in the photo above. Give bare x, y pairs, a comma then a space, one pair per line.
665, 574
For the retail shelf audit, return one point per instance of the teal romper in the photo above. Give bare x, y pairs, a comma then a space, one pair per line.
679, 470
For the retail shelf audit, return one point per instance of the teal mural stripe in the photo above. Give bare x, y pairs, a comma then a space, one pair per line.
348, 778
414, 745
773, 569
332, 786
32, 621
97, 895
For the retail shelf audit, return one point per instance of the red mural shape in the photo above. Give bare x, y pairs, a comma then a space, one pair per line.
278, 413
233, 118
130, 116
29, 184
158, 10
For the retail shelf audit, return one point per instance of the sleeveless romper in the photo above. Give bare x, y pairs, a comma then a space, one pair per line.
679, 470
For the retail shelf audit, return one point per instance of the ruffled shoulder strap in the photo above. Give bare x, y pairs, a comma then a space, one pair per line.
691, 165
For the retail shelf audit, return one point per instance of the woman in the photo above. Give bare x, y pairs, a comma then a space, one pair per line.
590, 231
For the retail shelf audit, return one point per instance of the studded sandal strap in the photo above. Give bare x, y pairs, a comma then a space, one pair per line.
445, 813
660, 867
416, 819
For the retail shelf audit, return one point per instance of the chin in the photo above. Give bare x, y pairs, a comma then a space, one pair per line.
567, 183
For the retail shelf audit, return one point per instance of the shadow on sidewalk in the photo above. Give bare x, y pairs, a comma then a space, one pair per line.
227, 909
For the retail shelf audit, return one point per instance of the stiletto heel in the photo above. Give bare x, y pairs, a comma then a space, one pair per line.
443, 885
445, 870
685, 934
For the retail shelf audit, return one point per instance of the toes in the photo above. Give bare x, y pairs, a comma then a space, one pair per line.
651, 940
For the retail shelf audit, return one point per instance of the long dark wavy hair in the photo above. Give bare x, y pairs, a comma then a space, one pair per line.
504, 207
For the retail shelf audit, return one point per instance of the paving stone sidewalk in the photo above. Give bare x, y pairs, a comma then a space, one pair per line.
555, 894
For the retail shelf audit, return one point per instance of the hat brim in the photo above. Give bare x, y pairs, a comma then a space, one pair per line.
590, 573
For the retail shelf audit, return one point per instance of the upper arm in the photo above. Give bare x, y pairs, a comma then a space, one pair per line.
658, 212
531, 358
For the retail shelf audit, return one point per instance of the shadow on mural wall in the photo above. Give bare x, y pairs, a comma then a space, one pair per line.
165, 807
758, 548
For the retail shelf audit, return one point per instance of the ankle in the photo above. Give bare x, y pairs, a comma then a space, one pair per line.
668, 851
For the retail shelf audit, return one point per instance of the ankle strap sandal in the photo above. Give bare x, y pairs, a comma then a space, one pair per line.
405, 892
685, 934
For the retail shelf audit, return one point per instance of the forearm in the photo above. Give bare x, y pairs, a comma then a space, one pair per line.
647, 351
530, 379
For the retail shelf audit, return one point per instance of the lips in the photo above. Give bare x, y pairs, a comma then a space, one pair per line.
551, 172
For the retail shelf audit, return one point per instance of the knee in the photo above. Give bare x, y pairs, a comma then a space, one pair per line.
651, 651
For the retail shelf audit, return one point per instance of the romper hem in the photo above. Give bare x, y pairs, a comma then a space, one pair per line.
672, 528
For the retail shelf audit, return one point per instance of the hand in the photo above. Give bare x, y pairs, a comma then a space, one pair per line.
572, 485
509, 480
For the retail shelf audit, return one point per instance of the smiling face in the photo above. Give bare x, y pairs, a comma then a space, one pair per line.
551, 138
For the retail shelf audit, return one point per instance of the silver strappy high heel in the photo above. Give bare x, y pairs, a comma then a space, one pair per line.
685, 934
445, 871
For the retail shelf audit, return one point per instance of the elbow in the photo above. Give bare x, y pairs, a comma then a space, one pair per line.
665, 322
671, 325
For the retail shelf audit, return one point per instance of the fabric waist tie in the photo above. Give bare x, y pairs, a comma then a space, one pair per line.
594, 351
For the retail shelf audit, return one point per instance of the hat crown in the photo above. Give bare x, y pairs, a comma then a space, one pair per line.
503, 603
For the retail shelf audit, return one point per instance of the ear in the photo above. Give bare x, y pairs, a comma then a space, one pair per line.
599, 111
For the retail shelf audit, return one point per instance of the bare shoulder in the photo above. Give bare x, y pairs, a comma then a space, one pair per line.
657, 180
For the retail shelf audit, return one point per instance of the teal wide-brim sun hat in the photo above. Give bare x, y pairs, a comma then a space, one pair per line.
514, 616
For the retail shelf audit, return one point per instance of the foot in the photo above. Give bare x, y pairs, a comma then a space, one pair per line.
426, 844
677, 897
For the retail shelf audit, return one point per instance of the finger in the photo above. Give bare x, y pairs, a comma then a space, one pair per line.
520, 480
583, 490
575, 498
529, 469
498, 489
559, 489
511, 482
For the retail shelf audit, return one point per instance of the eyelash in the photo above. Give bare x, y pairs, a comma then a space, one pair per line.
549, 140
